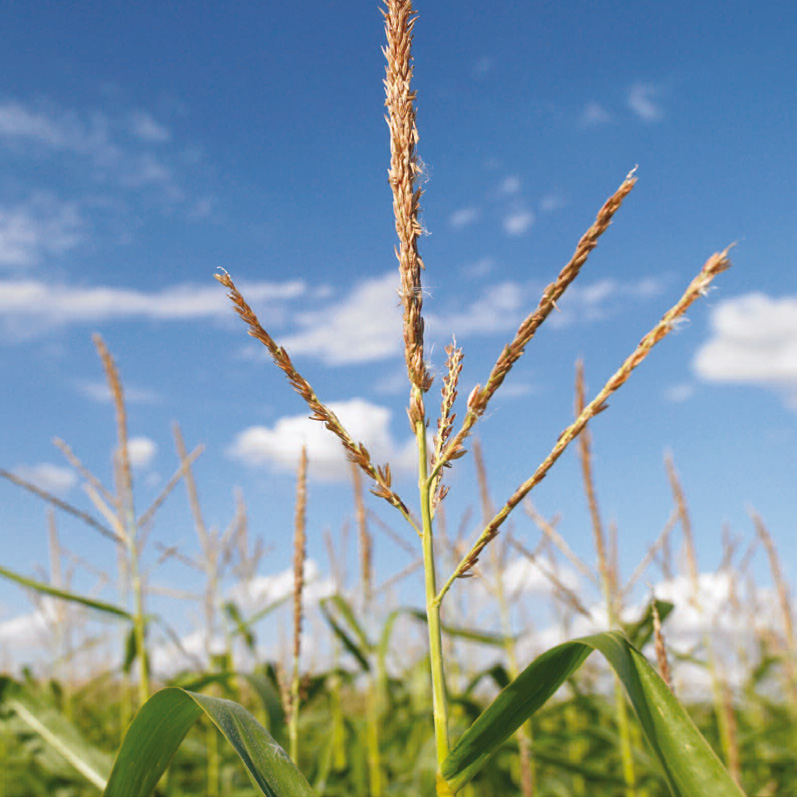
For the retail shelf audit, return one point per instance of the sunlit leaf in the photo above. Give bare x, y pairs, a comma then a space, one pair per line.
690, 766
163, 721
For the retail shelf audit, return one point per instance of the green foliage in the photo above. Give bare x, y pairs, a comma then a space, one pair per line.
689, 765
163, 721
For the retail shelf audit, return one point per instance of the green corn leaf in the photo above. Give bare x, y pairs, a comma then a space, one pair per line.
57, 732
163, 721
47, 589
266, 610
345, 639
242, 629
346, 611
641, 632
688, 763
483, 637
261, 685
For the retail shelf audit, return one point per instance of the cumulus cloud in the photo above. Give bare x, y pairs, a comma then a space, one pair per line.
280, 444
517, 222
30, 307
250, 596
142, 451
594, 114
362, 327
463, 217
642, 101
25, 630
37, 228
753, 341
52, 478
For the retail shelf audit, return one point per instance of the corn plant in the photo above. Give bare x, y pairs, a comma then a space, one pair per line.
687, 763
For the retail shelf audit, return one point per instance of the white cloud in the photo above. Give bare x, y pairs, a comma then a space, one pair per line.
113, 145
264, 590
518, 222
24, 631
101, 393
362, 327
679, 393
252, 596
642, 101
482, 67
753, 341
500, 307
510, 184
18, 122
552, 202
594, 114
142, 451
29, 307
463, 217
479, 268
37, 228
594, 301
52, 478
280, 444
147, 128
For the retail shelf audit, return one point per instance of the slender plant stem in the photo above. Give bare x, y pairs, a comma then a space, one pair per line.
440, 702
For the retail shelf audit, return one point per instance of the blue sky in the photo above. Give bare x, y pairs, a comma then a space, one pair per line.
143, 147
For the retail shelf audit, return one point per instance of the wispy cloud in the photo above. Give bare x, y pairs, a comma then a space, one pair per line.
147, 128
642, 101
41, 226
279, 445
118, 148
510, 185
31, 307
680, 392
464, 217
551, 202
482, 67
753, 341
594, 114
518, 222
100, 392
52, 478
497, 309
595, 301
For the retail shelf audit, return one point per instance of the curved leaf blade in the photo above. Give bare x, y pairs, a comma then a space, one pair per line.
161, 725
689, 764
48, 589
58, 733
348, 643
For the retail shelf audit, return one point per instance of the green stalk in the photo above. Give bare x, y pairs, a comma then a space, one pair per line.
439, 700
372, 741
621, 709
139, 624
293, 724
